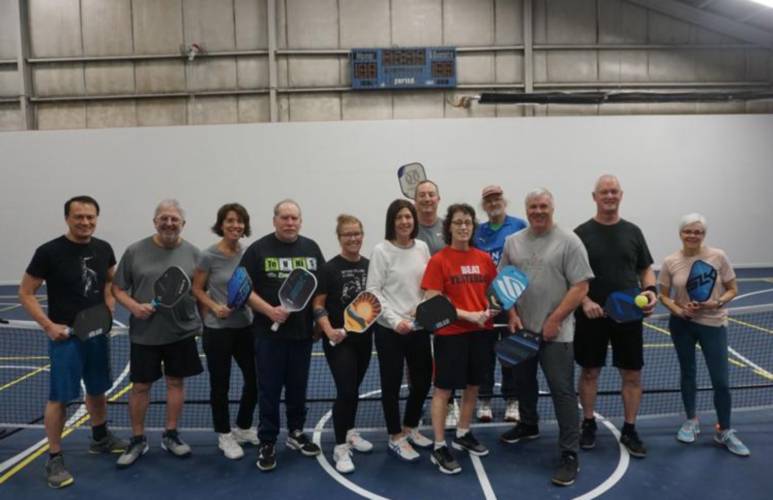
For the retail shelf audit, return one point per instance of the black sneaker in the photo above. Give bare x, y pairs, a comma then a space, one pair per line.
297, 440
566, 473
445, 461
520, 431
588, 434
633, 444
266, 457
469, 443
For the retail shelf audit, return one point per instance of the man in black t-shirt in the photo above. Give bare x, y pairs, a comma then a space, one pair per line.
78, 270
282, 357
620, 259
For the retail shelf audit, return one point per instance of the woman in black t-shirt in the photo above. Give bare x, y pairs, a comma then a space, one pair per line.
342, 278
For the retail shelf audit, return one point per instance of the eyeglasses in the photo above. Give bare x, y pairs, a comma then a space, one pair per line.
461, 223
693, 232
350, 235
166, 219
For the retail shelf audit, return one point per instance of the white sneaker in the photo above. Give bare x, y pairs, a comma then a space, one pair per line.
230, 447
418, 439
484, 412
511, 412
689, 431
452, 419
357, 442
403, 450
342, 456
243, 436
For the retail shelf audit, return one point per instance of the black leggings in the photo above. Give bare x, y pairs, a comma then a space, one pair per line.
392, 349
220, 345
348, 363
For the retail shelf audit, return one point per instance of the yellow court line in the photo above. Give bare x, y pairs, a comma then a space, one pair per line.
24, 377
5, 477
751, 325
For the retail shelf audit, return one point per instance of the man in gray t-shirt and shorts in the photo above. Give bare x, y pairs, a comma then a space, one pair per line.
557, 266
158, 336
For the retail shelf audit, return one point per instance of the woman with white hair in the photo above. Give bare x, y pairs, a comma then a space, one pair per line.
704, 323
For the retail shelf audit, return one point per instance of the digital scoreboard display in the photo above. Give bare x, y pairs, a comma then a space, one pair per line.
403, 68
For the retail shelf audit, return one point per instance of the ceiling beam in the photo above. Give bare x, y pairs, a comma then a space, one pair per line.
709, 21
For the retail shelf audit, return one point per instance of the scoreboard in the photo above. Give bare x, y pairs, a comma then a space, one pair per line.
403, 68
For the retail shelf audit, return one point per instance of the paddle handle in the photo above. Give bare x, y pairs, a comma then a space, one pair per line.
275, 327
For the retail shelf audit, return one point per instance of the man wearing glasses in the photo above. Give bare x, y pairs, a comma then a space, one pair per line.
159, 337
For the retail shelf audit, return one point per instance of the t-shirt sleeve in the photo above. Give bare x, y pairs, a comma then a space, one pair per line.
250, 261
377, 271
204, 262
433, 274
324, 279
664, 277
726, 271
123, 275
504, 259
576, 264
644, 258
40, 265
111, 261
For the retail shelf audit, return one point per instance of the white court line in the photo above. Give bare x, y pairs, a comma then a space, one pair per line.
618, 473
329, 468
23, 367
8, 464
485, 484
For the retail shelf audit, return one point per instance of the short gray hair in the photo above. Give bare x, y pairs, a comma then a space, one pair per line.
537, 192
605, 177
692, 219
169, 202
286, 201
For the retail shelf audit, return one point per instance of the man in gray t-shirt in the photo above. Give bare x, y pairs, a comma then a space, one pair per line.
430, 224
159, 337
556, 264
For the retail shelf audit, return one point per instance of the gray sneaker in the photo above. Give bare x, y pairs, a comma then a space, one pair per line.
171, 442
108, 444
56, 474
137, 448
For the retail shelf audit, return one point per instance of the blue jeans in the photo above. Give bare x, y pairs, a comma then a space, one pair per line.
713, 341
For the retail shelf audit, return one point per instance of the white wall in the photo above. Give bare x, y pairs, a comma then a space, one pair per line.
669, 165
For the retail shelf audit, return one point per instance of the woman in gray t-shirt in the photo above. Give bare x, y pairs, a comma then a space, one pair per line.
227, 332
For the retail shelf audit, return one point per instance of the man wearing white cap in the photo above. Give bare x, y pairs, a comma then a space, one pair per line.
490, 237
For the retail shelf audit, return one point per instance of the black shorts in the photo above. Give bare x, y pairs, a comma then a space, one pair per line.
593, 336
179, 359
460, 360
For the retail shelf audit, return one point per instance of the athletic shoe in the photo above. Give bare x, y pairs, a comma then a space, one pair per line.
245, 436
633, 444
445, 461
231, 449
689, 431
511, 412
484, 412
452, 418
418, 439
266, 457
588, 434
519, 432
357, 442
108, 444
297, 440
137, 448
402, 449
469, 443
56, 474
729, 440
342, 456
566, 473
171, 442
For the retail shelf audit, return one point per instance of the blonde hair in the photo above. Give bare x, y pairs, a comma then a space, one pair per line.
347, 219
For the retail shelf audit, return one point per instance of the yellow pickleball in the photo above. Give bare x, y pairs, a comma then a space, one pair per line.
641, 300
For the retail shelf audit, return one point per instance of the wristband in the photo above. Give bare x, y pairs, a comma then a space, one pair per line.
319, 312
652, 288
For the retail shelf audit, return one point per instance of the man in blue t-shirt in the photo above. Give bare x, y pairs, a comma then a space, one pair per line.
78, 271
490, 237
